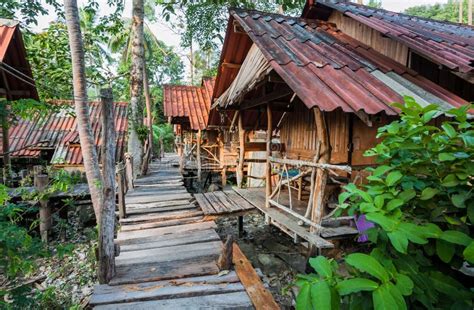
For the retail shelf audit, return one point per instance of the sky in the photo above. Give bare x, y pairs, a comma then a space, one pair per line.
164, 33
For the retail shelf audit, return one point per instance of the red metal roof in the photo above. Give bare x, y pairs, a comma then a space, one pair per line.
325, 67
13, 54
58, 132
188, 104
449, 44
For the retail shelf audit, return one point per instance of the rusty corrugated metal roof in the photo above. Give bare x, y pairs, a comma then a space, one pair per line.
58, 131
188, 104
327, 68
446, 43
13, 54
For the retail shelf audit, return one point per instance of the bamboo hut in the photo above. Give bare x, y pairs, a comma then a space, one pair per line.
320, 94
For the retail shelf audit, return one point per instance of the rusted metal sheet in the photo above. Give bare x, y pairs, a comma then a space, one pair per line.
449, 44
325, 67
58, 132
188, 104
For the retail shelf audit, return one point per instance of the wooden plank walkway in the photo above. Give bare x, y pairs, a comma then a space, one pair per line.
223, 202
169, 252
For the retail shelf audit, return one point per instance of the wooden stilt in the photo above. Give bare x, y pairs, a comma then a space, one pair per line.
240, 167
41, 182
268, 168
321, 174
121, 190
241, 226
224, 176
225, 259
198, 155
181, 151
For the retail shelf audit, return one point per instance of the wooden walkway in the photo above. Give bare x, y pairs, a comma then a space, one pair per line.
169, 252
223, 202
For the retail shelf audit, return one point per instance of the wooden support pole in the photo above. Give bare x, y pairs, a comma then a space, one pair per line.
321, 174
107, 219
240, 167
241, 226
181, 151
224, 176
198, 155
225, 259
268, 168
121, 190
41, 182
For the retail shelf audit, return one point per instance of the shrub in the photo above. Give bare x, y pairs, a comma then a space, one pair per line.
421, 202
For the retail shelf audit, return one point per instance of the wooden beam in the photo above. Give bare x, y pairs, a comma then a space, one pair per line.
280, 93
261, 298
240, 167
268, 168
320, 165
231, 65
198, 155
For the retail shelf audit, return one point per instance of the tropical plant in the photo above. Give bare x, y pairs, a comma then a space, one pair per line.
448, 11
420, 200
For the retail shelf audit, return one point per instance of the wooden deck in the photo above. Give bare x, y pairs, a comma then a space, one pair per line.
289, 224
223, 202
169, 251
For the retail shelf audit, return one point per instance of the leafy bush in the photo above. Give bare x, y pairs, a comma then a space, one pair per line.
421, 202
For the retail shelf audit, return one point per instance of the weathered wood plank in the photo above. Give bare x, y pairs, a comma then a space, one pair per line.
178, 238
261, 298
164, 231
244, 204
215, 202
156, 198
162, 216
204, 204
165, 223
226, 202
144, 210
179, 288
235, 300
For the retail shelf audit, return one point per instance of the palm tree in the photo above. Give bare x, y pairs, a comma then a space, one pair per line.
106, 268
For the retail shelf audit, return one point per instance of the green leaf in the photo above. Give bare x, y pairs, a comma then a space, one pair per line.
383, 300
450, 180
393, 177
386, 223
469, 253
378, 201
428, 193
356, 285
368, 264
448, 286
303, 301
321, 295
395, 203
445, 250
367, 207
399, 241
456, 237
450, 131
404, 284
431, 230
446, 157
459, 199
414, 233
322, 266
343, 197
381, 170
407, 195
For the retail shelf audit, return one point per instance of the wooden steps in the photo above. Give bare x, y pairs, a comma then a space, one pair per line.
169, 252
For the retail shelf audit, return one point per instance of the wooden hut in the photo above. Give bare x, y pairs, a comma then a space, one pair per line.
321, 94
187, 108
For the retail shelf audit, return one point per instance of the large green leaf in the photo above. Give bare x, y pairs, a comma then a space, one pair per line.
385, 222
383, 300
450, 131
321, 295
404, 284
448, 286
399, 241
469, 253
428, 193
446, 157
368, 264
450, 180
355, 285
459, 199
445, 250
380, 170
303, 300
393, 177
470, 213
395, 203
456, 237
322, 266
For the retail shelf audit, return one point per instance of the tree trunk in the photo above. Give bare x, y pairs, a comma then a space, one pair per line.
89, 152
135, 145
107, 224
149, 148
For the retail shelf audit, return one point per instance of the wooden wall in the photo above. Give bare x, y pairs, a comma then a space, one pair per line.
349, 136
370, 37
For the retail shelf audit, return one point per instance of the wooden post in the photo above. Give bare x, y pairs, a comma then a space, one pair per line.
121, 190
321, 174
41, 182
225, 259
240, 167
107, 219
268, 168
182, 151
198, 155
129, 171
241, 225
224, 176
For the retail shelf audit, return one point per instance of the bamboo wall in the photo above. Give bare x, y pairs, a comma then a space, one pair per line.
370, 37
